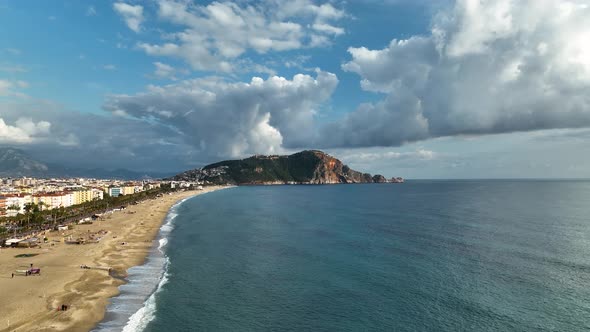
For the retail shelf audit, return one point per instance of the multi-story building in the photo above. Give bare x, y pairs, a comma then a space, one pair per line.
129, 190
55, 193
115, 191
26, 190
97, 193
2, 206
54, 200
15, 203
149, 186
84, 195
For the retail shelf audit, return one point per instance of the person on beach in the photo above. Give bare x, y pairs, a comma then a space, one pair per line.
13, 275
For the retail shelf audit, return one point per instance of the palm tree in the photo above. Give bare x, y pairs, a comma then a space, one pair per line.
28, 208
14, 207
58, 214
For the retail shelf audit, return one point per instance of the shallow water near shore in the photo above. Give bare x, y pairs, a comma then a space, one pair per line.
133, 308
422, 256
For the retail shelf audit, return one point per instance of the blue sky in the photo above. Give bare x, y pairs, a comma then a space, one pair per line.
421, 89
92, 37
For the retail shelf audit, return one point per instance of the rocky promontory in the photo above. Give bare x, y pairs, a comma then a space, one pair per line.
306, 167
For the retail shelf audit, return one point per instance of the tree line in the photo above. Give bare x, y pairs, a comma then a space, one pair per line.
37, 217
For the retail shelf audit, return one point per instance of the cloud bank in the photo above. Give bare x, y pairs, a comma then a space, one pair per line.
486, 67
89, 140
223, 118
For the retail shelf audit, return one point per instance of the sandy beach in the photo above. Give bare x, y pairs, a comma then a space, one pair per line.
31, 303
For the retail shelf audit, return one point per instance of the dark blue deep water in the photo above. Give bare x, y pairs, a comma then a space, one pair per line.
420, 256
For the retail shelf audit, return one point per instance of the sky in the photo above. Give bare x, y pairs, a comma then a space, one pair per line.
412, 88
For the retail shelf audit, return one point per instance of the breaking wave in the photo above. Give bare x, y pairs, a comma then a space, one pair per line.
135, 307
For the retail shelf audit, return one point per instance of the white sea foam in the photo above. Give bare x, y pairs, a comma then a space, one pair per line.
142, 317
163, 243
131, 311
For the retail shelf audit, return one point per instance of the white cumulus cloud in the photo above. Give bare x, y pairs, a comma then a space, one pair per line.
486, 67
24, 130
234, 119
215, 34
131, 14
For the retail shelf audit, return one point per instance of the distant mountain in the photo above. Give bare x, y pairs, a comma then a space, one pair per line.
17, 163
306, 167
100, 173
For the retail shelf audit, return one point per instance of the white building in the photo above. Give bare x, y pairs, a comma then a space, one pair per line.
16, 200
54, 200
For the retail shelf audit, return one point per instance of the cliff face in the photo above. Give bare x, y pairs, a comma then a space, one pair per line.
331, 170
378, 178
306, 167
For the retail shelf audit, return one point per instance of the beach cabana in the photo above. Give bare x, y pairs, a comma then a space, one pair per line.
12, 242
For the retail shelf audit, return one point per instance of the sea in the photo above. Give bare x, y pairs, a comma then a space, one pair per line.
469, 255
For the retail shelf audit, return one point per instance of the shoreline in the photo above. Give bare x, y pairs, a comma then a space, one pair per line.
30, 303
125, 312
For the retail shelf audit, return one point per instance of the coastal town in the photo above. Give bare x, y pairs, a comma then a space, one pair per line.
16, 194
49, 194
29, 204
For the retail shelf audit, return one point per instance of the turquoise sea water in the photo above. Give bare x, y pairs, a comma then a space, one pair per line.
422, 256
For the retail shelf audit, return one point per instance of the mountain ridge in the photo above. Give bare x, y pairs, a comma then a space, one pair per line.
305, 167
16, 163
